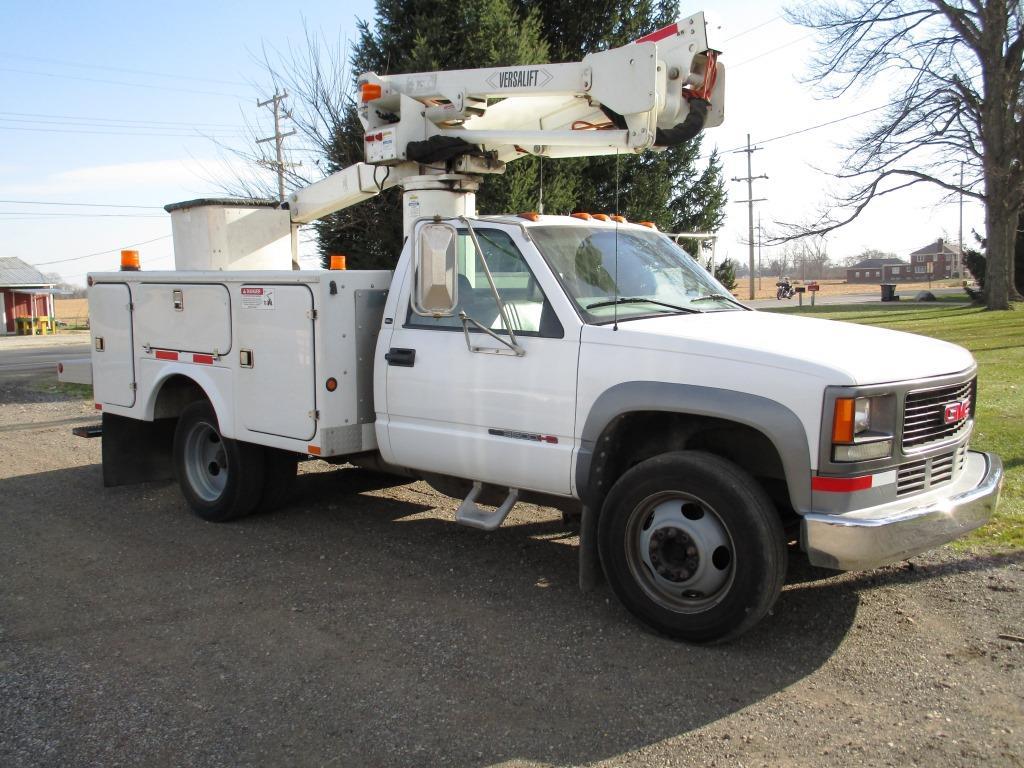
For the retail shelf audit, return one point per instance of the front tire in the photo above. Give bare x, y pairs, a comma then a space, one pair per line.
221, 479
692, 546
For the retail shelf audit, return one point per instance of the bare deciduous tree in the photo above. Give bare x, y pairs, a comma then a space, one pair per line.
955, 71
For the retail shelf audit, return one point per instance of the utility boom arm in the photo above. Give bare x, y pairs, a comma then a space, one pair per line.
658, 91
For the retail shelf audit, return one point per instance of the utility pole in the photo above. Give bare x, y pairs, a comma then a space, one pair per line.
749, 178
278, 138
280, 165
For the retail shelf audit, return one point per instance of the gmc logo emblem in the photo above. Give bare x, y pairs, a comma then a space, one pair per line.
957, 411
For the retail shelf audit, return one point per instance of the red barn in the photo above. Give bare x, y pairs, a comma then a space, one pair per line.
24, 292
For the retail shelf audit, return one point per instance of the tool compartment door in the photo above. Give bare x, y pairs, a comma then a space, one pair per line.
113, 361
277, 395
183, 317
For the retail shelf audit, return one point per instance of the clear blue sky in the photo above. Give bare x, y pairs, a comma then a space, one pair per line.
114, 103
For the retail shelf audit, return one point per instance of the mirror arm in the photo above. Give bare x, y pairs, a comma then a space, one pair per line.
513, 345
490, 280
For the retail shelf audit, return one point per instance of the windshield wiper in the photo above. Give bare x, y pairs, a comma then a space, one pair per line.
641, 300
717, 297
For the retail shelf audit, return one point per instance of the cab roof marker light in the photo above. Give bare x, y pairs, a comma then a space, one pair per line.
530, 216
581, 215
648, 224
602, 216
619, 219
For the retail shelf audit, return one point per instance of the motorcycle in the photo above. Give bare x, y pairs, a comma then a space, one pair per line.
785, 290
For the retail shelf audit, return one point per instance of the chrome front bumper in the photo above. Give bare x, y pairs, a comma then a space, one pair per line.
868, 538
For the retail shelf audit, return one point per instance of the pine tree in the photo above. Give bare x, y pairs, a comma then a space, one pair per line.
418, 36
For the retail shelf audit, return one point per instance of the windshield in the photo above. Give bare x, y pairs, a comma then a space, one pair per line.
654, 276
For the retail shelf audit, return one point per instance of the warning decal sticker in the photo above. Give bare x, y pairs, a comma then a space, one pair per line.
257, 298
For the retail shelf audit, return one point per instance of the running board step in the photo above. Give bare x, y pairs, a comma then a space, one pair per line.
470, 514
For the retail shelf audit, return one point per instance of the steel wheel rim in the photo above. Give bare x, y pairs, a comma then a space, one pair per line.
206, 462
679, 552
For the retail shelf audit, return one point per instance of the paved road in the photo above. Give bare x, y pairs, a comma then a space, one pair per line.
21, 357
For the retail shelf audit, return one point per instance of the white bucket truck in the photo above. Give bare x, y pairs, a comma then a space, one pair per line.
584, 361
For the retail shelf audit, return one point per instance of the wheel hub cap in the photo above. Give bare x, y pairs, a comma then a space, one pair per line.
684, 552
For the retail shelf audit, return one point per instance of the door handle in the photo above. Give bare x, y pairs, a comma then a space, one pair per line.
404, 358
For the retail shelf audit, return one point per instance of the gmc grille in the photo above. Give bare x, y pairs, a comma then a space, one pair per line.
925, 474
924, 415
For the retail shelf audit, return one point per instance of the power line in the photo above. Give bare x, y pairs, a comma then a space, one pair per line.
798, 131
197, 135
122, 69
147, 86
769, 52
86, 205
120, 120
753, 29
100, 253
85, 215
157, 129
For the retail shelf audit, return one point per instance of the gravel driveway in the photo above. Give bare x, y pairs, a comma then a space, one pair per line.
360, 626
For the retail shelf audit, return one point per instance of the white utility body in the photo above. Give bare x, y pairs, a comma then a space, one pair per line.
585, 361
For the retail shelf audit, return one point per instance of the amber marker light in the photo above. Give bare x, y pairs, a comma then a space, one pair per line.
530, 215
584, 216
370, 91
129, 261
648, 224
338, 261
331, 384
842, 420
601, 216
620, 219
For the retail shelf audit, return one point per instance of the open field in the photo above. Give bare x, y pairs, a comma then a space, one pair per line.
74, 312
997, 341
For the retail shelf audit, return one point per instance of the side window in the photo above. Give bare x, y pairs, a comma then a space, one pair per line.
529, 312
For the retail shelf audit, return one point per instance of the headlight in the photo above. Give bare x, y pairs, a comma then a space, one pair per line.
858, 428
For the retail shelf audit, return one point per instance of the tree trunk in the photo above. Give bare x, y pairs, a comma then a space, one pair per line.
1000, 224
1012, 275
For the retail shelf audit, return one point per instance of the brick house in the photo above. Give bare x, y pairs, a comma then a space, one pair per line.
24, 292
878, 271
946, 261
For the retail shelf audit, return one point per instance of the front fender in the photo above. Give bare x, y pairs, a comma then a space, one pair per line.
773, 419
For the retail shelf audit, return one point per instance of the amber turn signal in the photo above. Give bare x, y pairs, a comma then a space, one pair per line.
842, 421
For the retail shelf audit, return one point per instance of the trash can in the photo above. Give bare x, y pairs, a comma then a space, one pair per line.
888, 291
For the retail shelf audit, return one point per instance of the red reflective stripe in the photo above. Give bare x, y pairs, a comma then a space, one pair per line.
841, 484
203, 359
162, 354
660, 34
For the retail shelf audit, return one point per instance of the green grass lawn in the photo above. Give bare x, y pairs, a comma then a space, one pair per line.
997, 341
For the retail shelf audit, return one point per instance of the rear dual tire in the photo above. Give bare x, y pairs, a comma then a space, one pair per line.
224, 479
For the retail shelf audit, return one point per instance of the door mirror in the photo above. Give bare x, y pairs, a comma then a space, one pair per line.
435, 293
